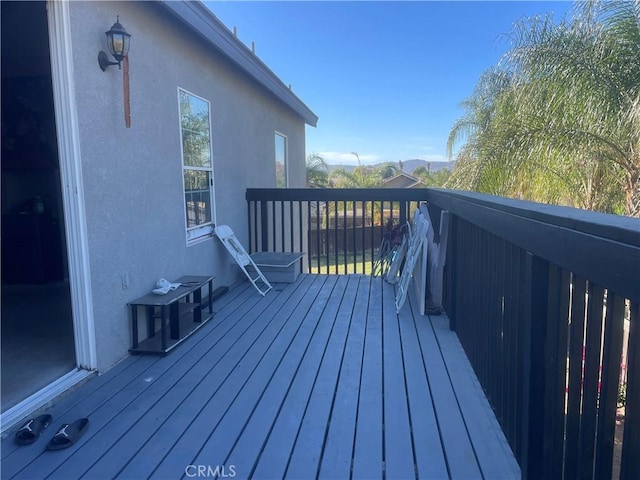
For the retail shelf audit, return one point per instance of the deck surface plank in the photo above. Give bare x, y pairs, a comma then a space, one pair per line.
307, 451
319, 379
398, 444
338, 448
460, 454
430, 457
291, 339
273, 446
226, 387
170, 393
117, 425
368, 460
484, 430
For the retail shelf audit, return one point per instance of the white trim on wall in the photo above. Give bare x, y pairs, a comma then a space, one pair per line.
203, 232
74, 216
71, 177
39, 399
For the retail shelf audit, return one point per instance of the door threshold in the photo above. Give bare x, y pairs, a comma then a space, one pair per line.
40, 399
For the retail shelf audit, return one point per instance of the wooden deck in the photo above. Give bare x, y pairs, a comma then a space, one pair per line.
321, 379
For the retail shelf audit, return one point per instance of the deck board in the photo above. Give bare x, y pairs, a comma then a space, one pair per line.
461, 458
430, 456
307, 452
263, 416
484, 433
123, 419
321, 379
337, 453
368, 459
398, 448
255, 392
220, 390
279, 444
170, 395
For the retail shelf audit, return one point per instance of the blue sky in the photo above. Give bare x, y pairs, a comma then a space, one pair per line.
385, 78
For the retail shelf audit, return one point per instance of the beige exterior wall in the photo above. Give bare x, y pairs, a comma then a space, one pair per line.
133, 176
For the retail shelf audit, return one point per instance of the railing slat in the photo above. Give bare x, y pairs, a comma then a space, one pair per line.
591, 377
533, 307
556, 371
576, 350
630, 468
614, 334
517, 348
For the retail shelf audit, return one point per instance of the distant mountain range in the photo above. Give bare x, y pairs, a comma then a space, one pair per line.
408, 166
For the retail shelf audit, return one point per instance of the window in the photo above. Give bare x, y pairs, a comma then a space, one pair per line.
197, 167
281, 161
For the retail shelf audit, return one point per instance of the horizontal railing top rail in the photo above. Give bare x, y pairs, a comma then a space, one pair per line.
600, 247
336, 194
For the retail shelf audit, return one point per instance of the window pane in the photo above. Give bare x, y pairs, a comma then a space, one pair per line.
195, 127
197, 194
281, 161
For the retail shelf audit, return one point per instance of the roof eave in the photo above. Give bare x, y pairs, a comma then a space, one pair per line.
200, 19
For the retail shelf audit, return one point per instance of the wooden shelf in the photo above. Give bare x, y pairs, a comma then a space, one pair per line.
181, 312
154, 344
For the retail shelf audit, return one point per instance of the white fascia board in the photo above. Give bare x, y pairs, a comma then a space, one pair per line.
200, 19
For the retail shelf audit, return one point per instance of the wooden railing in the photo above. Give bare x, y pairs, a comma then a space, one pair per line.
539, 297
339, 229
545, 301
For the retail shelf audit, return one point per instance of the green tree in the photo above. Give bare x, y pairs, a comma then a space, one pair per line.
360, 177
477, 166
436, 179
565, 128
317, 172
387, 170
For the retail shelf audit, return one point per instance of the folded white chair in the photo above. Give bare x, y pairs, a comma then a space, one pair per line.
243, 259
416, 239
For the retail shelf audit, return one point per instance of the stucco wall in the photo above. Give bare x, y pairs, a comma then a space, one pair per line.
133, 177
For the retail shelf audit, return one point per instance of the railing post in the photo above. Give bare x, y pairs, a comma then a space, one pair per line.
264, 226
434, 216
532, 334
452, 277
403, 212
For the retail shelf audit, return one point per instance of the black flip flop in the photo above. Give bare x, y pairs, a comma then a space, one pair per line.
31, 430
68, 434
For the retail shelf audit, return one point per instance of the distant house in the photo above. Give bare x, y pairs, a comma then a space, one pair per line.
403, 180
95, 212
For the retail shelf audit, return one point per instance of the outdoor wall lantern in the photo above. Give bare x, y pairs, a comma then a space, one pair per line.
118, 43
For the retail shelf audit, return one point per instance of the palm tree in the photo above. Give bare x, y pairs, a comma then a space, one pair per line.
359, 177
317, 172
432, 179
477, 167
387, 170
566, 128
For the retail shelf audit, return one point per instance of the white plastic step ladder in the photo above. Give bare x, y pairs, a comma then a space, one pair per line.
243, 259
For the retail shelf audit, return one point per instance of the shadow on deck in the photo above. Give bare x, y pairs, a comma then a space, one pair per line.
319, 379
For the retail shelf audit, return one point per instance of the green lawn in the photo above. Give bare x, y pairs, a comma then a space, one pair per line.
331, 267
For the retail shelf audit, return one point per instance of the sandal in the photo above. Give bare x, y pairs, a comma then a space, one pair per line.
68, 434
31, 430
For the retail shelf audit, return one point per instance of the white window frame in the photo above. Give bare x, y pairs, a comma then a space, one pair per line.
286, 157
204, 231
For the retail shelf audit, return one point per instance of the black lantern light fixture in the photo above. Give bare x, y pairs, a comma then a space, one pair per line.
118, 43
